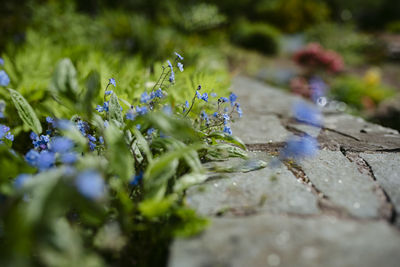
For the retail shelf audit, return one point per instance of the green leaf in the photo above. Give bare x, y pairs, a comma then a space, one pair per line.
224, 151
64, 81
162, 169
11, 165
152, 208
190, 223
25, 111
142, 144
93, 87
188, 180
115, 112
236, 165
227, 138
118, 154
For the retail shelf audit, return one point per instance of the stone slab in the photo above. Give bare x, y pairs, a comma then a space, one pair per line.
386, 169
269, 189
259, 129
278, 240
339, 179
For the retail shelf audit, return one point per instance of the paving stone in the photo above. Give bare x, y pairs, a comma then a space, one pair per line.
278, 240
253, 129
308, 129
386, 169
354, 133
258, 98
339, 179
269, 189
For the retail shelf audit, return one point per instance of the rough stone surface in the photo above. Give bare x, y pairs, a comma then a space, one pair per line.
276, 240
269, 189
339, 179
386, 169
337, 216
254, 129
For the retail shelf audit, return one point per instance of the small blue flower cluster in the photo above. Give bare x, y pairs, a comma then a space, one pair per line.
5, 133
4, 79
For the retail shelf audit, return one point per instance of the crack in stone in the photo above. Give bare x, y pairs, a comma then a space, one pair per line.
340, 133
324, 203
386, 209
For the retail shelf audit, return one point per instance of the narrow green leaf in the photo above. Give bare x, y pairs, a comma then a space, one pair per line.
188, 180
64, 81
115, 112
227, 138
224, 151
236, 166
118, 154
142, 144
92, 90
162, 169
25, 111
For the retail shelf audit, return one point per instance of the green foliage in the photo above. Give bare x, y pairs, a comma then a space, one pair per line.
293, 15
356, 91
25, 111
393, 27
258, 36
353, 46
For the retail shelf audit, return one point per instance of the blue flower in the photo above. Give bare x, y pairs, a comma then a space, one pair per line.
101, 140
227, 129
92, 146
82, 126
226, 118
21, 179
10, 136
198, 95
61, 144
69, 158
4, 79
239, 111
204, 116
46, 160
1, 61
31, 157
33, 136
144, 97
130, 115
232, 98
213, 94
150, 131
223, 99
99, 108
49, 119
136, 179
141, 110
215, 114
307, 113
299, 147
180, 66
112, 81
90, 184
205, 97
172, 76
169, 64
179, 56
91, 138
158, 93
109, 92
187, 104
